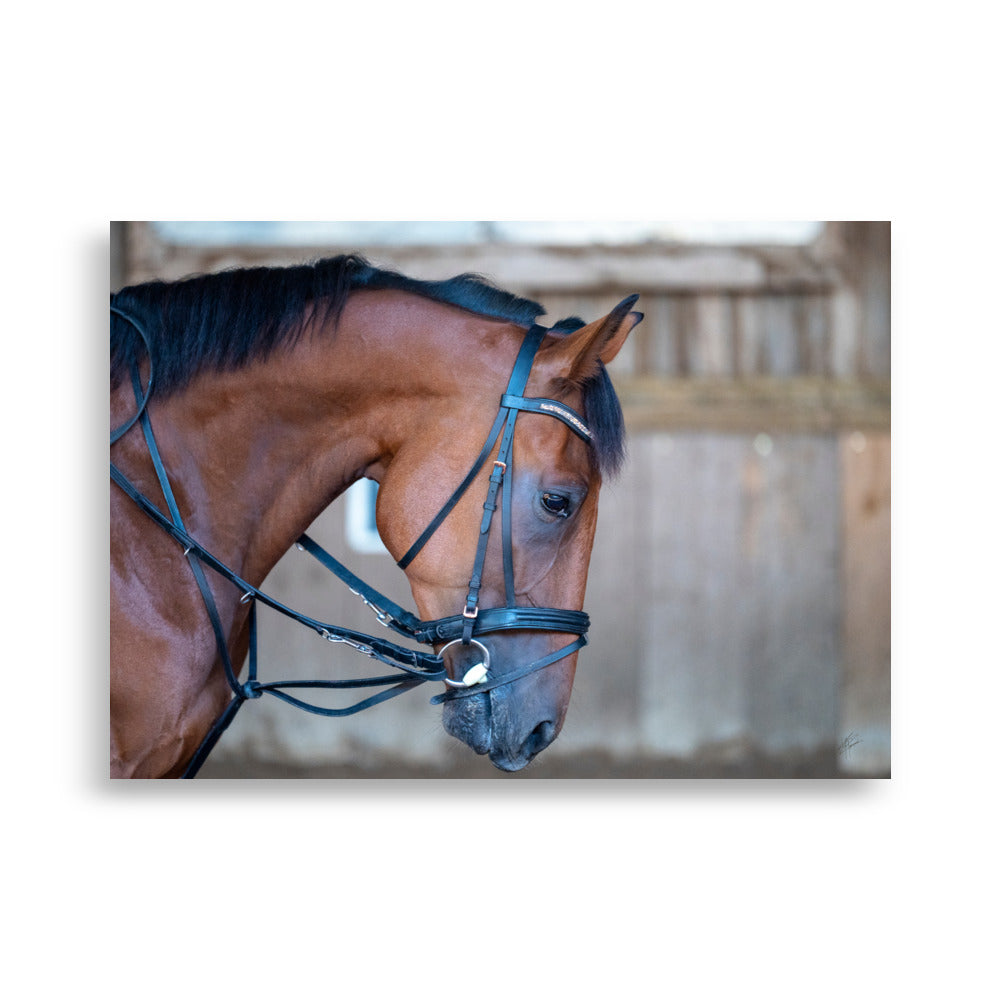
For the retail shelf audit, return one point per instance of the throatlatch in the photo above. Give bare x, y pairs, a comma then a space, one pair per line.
462, 629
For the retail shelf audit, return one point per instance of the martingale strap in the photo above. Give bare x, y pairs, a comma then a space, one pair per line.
417, 667
439, 630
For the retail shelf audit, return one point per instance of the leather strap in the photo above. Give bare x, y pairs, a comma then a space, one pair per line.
199, 574
508, 619
457, 495
388, 612
124, 428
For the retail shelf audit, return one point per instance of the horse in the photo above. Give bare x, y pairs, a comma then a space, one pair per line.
250, 399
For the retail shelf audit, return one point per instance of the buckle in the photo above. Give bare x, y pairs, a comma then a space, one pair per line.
473, 614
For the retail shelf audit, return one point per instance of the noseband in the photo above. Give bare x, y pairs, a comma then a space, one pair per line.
462, 629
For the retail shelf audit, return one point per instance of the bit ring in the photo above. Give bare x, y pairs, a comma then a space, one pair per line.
463, 683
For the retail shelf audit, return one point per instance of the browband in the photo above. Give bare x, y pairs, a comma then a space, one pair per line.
566, 414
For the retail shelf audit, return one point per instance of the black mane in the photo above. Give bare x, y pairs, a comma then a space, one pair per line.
223, 321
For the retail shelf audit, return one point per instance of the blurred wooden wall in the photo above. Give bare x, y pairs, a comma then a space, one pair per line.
740, 582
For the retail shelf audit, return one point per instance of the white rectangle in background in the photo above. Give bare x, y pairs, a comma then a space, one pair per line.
360, 528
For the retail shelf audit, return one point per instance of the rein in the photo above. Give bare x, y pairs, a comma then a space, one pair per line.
417, 667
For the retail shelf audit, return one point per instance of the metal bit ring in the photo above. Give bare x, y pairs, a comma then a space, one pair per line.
479, 670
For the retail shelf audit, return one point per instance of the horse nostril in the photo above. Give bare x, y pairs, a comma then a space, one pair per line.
538, 739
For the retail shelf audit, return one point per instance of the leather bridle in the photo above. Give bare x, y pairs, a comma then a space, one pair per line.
462, 629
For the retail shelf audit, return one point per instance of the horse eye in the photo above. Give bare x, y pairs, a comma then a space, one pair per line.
556, 503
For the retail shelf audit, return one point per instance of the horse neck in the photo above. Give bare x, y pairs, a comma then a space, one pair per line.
257, 454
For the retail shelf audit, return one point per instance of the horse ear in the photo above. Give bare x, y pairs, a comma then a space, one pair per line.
574, 358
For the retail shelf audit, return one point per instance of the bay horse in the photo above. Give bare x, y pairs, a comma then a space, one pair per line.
249, 400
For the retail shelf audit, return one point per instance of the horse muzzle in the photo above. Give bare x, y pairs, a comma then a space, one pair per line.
514, 713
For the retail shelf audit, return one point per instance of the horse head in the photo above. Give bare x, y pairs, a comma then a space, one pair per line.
541, 478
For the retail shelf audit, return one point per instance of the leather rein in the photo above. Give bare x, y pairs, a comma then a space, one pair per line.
417, 667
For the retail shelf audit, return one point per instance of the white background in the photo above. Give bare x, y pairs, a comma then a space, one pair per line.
519, 111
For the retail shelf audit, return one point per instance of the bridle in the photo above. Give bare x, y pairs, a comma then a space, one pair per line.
474, 621
462, 629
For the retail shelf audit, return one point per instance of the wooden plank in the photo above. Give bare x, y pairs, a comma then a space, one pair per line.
684, 310
781, 342
875, 284
812, 320
788, 614
712, 346
751, 405
692, 692
866, 556
656, 336
844, 333
748, 335
741, 612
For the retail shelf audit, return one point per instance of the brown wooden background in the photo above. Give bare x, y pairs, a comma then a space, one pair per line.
740, 582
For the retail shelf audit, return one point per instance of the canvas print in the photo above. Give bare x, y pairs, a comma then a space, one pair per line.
500, 500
